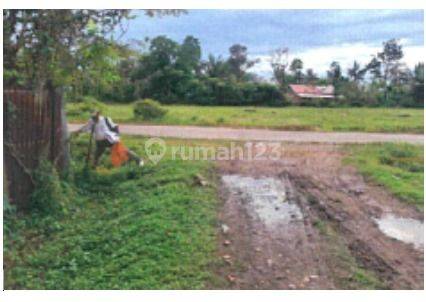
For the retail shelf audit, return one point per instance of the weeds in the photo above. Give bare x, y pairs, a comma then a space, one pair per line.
398, 167
126, 228
49, 196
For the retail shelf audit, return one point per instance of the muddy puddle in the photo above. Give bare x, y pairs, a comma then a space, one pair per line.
267, 197
404, 229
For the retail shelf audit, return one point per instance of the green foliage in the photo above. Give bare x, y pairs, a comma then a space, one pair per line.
398, 167
85, 107
173, 73
126, 228
49, 196
354, 95
417, 87
148, 109
215, 91
46, 49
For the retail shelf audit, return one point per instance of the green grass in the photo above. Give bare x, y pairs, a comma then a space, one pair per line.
398, 167
126, 228
287, 118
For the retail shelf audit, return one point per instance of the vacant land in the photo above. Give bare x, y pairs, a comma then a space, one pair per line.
162, 226
398, 167
288, 118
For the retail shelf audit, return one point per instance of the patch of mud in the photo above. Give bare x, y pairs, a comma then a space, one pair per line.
407, 230
271, 243
258, 255
267, 198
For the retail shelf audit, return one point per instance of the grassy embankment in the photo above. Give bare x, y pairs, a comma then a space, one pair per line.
126, 228
287, 118
398, 167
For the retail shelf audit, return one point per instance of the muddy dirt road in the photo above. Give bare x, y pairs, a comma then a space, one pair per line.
309, 222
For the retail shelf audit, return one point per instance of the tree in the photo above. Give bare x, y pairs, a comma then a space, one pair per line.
169, 69
386, 64
215, 67
279, 64
238, 61
310, 77
335, 75
40, 45
296, 68
356, 73
373, 67
45, 47
97, 60
189, 55
418, 85
163, 53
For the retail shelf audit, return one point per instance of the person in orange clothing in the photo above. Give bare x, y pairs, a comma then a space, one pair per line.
106, 135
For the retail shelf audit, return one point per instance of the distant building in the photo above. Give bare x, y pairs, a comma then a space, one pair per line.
306, 92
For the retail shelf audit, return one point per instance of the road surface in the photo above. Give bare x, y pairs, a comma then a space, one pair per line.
223, 133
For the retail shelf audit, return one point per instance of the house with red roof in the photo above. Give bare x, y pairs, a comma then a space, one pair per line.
310, 92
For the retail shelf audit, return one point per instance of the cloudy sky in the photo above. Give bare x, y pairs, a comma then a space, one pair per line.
318, 37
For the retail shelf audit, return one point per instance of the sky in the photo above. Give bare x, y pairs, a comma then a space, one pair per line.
318, 37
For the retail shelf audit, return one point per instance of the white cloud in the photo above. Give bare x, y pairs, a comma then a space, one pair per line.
320, 58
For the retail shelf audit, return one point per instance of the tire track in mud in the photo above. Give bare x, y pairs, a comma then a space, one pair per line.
398, 265
301, 255
274, 254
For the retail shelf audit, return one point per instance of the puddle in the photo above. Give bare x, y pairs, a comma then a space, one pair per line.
267, 197
405, 229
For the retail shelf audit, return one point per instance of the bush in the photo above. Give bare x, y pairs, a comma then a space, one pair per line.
264, 94
49, 196
358, 96
85, 107
148, 109
216, 91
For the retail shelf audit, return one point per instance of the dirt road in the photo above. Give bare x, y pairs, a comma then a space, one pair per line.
222, 133
308, 222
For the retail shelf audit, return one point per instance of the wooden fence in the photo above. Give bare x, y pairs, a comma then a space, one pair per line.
32, 129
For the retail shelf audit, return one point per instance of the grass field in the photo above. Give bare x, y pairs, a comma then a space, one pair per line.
126, 228
398, 167
154, 228
288, 118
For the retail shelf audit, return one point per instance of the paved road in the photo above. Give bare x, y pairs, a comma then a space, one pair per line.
222, 133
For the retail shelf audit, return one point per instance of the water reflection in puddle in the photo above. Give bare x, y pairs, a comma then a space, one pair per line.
267, 197
405, 229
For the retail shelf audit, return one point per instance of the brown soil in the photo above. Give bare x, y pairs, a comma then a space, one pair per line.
299, 256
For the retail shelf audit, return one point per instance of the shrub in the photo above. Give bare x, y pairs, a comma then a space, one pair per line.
49, 196
84, 108
264, 94
148, 109
358, 96
216, 91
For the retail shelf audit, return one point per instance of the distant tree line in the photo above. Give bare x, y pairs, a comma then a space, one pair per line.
175, 73
71, 48
384, 81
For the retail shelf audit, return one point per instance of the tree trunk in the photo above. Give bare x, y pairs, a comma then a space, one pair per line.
64, 161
